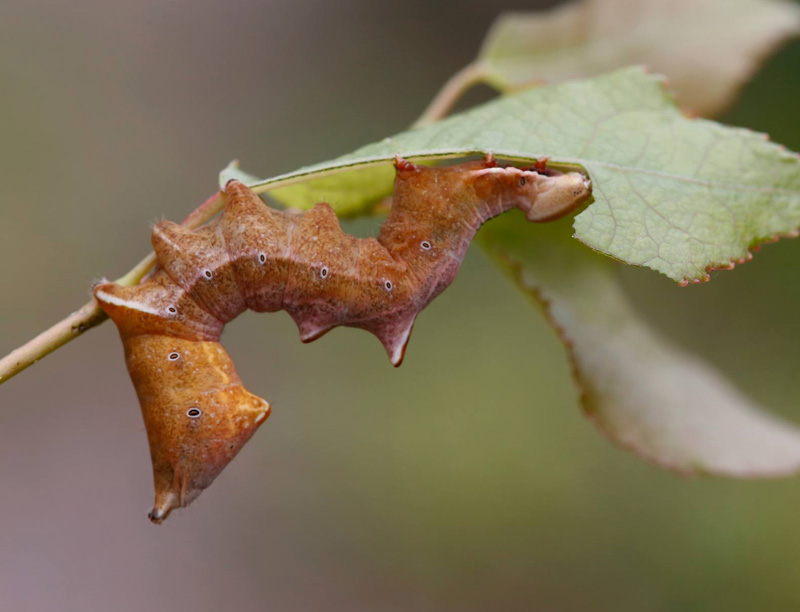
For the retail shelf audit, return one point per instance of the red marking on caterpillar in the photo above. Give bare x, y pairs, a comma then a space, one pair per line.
197, 413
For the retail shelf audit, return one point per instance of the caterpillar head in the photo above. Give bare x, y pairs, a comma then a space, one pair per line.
543, 193
554, 195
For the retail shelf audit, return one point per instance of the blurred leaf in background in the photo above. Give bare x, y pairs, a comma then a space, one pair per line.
708, 48
644, 393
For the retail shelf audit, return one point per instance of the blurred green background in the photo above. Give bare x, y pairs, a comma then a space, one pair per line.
465, 480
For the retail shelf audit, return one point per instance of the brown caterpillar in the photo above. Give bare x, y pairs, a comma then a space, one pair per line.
197, 413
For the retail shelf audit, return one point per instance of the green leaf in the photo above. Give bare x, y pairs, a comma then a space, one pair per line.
643, 392
677, 195
708, 48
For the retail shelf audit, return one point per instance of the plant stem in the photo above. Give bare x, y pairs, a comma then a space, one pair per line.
450, 93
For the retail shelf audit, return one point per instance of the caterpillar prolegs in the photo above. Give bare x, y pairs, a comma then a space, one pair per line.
197, 413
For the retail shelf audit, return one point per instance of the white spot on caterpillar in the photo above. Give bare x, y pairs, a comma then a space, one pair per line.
262, 258
509, 170
207, 273
497, 170
194, 412
113, 299
388, 285
324, 272
173, 356
426, 246
172, 309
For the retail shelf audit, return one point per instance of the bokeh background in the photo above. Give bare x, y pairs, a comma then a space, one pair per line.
465, 480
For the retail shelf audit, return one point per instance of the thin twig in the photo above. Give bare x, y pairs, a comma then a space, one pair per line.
450, 93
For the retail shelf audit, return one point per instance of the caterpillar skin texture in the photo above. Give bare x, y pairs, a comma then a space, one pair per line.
197, 413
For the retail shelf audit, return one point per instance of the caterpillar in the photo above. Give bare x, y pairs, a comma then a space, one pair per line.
197, 413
